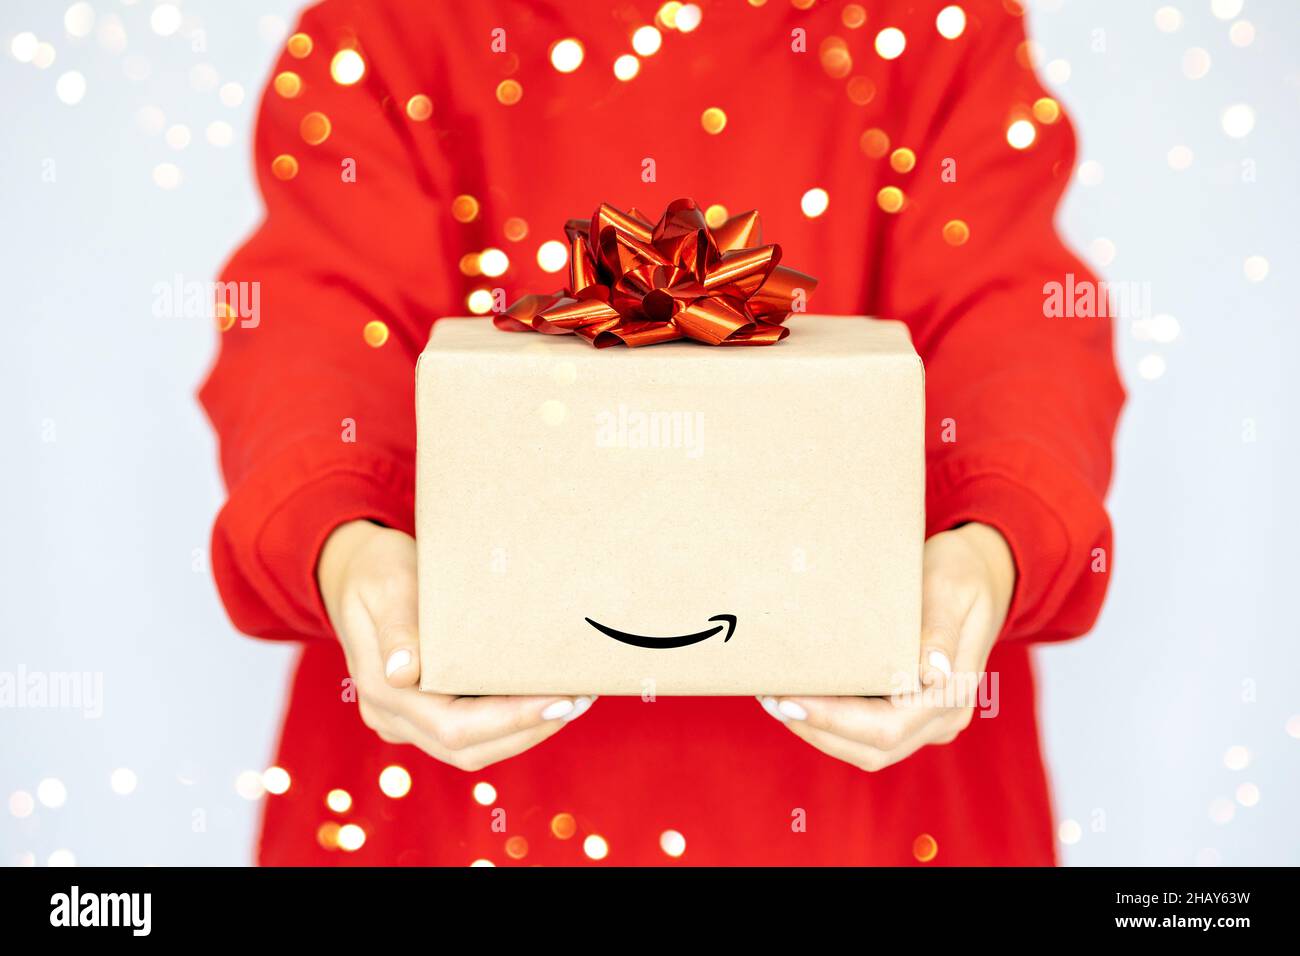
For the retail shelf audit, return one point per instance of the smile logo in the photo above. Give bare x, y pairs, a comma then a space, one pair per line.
681, 640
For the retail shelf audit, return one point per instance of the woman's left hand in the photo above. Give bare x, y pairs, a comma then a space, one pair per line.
967, 580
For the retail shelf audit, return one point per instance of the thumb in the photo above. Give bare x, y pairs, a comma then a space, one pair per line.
393, 606
399, 642
941, 623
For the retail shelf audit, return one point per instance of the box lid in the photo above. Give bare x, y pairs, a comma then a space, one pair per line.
811, 336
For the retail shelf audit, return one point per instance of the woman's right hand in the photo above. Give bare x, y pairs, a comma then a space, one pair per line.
367, 579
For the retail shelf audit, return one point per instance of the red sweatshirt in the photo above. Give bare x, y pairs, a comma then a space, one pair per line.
366, 225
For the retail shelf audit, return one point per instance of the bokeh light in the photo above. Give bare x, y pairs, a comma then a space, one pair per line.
566, 55
347, 68
123, 781
626, 67
890, 199
647, 40
276, 780
1021, 134
395, 781
595, 847
951, 22
890, 43
815, 202
52, 793
375, 333
552, 255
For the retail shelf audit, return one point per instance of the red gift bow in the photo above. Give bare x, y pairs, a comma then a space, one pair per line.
634, 283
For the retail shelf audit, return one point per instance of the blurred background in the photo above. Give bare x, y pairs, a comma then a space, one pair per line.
1172, 731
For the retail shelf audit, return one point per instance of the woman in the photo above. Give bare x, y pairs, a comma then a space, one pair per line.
448, 130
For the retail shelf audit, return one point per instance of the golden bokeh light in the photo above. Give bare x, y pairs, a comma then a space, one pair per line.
875, 143
517, 847
853, 16
861, 90
347, 67
563, 826
288, 84
956, 232
715, 215
713, 120
464, 208
419, 107
515, 229
327, 835
375, 333
890, 199
315, 128
469, 264
225, 316
835, 57
299, 46
1029, 54
925, 848
340, 801
284, 167
666, 17
903, 160
484, 793
509, 92
1046, 110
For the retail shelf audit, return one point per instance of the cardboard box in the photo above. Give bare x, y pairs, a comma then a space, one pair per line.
675, 519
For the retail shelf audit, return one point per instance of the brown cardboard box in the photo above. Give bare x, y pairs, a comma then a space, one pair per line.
674, 519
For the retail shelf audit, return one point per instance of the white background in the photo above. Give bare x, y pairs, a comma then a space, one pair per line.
105, 526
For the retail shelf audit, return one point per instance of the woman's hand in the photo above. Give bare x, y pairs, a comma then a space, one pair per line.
367, 579
967, 581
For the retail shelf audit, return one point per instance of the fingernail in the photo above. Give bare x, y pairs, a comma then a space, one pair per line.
557, 710
769, 705
939, 661
580, 707
792, 710
396, 661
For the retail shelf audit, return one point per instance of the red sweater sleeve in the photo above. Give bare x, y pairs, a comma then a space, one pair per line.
1021, 408
316, 426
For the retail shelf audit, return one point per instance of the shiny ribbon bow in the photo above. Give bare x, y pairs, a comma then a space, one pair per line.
634, 283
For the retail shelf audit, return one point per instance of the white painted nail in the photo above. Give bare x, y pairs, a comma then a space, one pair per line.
396, 661
769, 705
557, 710
792, 710
580, 707
939, 661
